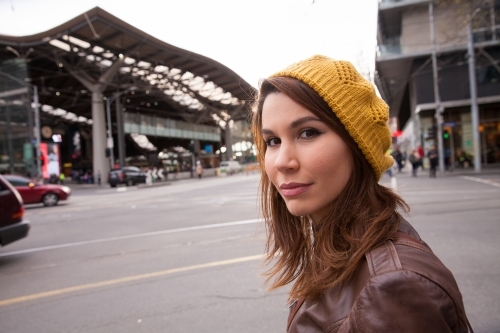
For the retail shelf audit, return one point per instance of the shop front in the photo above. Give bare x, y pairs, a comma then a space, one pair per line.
458, 135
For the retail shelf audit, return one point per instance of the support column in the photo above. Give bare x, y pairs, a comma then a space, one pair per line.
197, 148
96, 86
100, 162
229, 143
121, 133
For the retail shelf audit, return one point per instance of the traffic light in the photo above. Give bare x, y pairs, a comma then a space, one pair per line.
446, 135
446, 132
108, 152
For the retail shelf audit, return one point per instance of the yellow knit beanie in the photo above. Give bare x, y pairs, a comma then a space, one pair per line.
354, 101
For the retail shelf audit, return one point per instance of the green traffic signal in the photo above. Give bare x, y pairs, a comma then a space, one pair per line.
446, 135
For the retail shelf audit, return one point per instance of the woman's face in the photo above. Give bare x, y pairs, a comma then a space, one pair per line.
305, 159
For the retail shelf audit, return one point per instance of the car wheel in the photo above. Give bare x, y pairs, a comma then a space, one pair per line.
112, 185
130, 182
50, 199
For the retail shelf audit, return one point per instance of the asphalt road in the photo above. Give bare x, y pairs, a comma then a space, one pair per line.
187, 257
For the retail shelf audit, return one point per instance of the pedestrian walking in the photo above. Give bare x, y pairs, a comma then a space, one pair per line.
398, 157
62, 177
421, 153
199, 169
99, 177
432, 154
333, 232
415, 162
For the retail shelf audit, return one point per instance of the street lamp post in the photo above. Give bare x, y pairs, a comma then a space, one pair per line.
110, 143
109, 136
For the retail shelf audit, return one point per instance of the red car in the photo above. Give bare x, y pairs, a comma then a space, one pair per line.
12, 226
33, 192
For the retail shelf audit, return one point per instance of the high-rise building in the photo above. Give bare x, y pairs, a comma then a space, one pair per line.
413, 32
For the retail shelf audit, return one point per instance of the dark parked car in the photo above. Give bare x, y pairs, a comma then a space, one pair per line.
33, 192
12, 226
129, 175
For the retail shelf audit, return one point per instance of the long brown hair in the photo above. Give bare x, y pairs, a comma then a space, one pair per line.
364, 215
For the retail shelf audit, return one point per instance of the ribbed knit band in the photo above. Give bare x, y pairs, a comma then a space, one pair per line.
354, 101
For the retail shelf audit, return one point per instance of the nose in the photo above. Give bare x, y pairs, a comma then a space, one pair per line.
286, 158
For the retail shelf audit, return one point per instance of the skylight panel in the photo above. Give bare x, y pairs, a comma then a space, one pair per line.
76, 41
187, 76
59, 112
106, 62
143, 64
70, 116
62, 45
161, 69
129, 61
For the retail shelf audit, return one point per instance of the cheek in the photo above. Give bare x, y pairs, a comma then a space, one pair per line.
269, 165
334, 159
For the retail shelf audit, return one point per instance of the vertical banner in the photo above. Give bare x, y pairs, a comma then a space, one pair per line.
53, 154
49, 159
44, 160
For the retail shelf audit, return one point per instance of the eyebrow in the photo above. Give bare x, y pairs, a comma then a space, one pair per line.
300, 121
294, 124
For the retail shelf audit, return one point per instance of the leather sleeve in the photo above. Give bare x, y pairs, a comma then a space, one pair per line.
403, 301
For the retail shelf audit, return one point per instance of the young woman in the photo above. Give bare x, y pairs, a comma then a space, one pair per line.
334, 233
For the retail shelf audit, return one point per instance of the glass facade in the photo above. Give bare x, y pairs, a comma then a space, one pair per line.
16, 148
156, 126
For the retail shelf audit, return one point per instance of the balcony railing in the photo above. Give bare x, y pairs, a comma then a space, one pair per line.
387, 50
486, 34
390, 46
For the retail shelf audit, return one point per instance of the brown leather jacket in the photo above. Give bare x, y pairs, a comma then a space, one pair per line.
401, 287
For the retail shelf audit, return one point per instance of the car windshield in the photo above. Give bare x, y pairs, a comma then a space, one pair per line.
18, 181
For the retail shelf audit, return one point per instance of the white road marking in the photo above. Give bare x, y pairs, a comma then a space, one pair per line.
146, 234
479, 180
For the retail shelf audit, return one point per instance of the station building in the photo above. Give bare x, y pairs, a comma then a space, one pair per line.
404, 74
64, 90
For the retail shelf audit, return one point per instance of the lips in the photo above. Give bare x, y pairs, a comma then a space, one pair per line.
293, 189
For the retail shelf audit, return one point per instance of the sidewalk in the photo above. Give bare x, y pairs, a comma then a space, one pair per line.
406, 173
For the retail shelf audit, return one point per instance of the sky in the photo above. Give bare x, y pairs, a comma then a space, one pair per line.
253, 38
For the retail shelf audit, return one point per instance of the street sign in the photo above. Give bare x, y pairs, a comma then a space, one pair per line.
450, 124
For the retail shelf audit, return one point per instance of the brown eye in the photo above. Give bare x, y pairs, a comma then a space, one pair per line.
272, 142
309, 133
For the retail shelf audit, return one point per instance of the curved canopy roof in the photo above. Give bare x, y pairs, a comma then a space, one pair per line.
171, 82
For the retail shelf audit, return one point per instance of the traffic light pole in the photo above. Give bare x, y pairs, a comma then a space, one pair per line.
437, 98
473, 99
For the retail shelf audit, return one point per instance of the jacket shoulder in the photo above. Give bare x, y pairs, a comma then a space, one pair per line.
403, 301
407, 278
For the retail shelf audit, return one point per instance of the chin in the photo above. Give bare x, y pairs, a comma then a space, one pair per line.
298, 210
